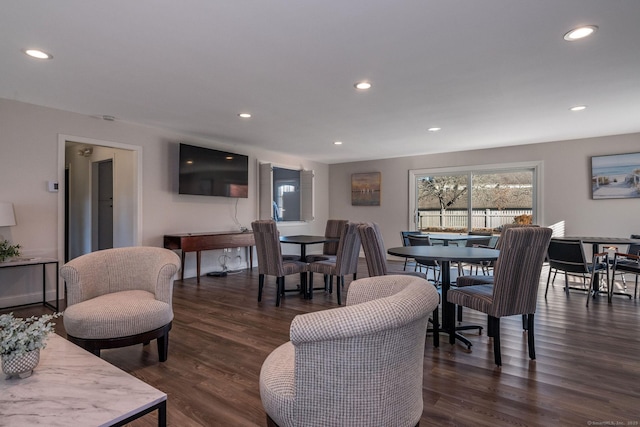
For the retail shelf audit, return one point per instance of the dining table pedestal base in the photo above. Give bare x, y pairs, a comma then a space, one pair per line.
444, 255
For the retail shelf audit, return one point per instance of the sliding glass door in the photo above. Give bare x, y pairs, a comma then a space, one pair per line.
474, 199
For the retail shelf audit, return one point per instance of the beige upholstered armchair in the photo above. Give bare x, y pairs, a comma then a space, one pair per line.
359, 365
120, 297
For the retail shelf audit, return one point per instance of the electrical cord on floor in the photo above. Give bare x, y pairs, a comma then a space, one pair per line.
222, 259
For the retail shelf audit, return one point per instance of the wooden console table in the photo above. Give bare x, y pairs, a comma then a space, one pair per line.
197, 242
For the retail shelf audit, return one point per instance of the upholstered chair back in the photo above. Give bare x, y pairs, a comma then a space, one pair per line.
348, 250
374, 250
356, 365
267, 238
517, 274
108, 271
506, 227
333, 230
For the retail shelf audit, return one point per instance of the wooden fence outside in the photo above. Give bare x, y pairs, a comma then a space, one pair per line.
481, 218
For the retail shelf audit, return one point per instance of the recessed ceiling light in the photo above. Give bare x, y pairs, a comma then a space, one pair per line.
580, 32
578, 108
39, 54
434, 129
244, 115
362, 85
337, 143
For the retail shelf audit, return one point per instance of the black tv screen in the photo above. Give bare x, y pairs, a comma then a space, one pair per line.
209, 172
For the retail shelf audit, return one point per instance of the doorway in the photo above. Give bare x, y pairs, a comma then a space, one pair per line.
103, 188
99, 204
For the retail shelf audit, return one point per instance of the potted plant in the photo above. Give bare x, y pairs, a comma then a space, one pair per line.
21, 341
7, 250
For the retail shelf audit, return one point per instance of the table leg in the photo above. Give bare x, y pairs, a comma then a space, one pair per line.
57, 288
162, 414
448, 309
305, 289
45, 303
596, 276
182, 256
448, 320
198, 258
44, 284
249, 255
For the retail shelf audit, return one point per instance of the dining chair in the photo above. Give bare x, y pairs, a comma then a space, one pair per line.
357, 365
270, 261
333, 230
483, 242
633, 249
567, 255
429, 264
375, 253
346, 261
485, 278
404, 235
515, 285
625, 263
375, 256
486, 266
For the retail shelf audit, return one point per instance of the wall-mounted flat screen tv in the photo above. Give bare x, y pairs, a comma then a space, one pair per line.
209, 172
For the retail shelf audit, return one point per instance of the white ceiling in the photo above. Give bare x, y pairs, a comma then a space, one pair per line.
489, 72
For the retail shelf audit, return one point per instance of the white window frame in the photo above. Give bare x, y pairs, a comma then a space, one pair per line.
265, 193
536, 166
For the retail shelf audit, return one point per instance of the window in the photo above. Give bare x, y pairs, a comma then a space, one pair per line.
285, 194
480, 198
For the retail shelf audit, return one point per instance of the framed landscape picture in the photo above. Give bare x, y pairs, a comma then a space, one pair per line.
616, 176
365, 189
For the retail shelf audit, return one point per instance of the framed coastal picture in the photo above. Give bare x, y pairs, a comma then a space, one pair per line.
616, 176
365, 189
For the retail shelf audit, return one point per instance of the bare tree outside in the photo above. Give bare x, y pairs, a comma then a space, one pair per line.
445, 189
505, 190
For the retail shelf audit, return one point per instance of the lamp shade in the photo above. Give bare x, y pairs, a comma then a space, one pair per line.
7, 216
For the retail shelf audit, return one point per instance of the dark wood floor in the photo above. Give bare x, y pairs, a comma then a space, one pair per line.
587, 370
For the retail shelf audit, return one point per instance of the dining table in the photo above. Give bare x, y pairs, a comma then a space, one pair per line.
304, 240
445, 238
596, 243
445, 255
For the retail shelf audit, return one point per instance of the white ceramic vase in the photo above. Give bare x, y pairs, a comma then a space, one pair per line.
22, 366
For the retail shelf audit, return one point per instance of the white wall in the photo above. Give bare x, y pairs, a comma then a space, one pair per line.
29, 158
566, 186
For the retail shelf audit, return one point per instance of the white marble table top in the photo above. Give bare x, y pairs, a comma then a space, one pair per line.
72, 387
